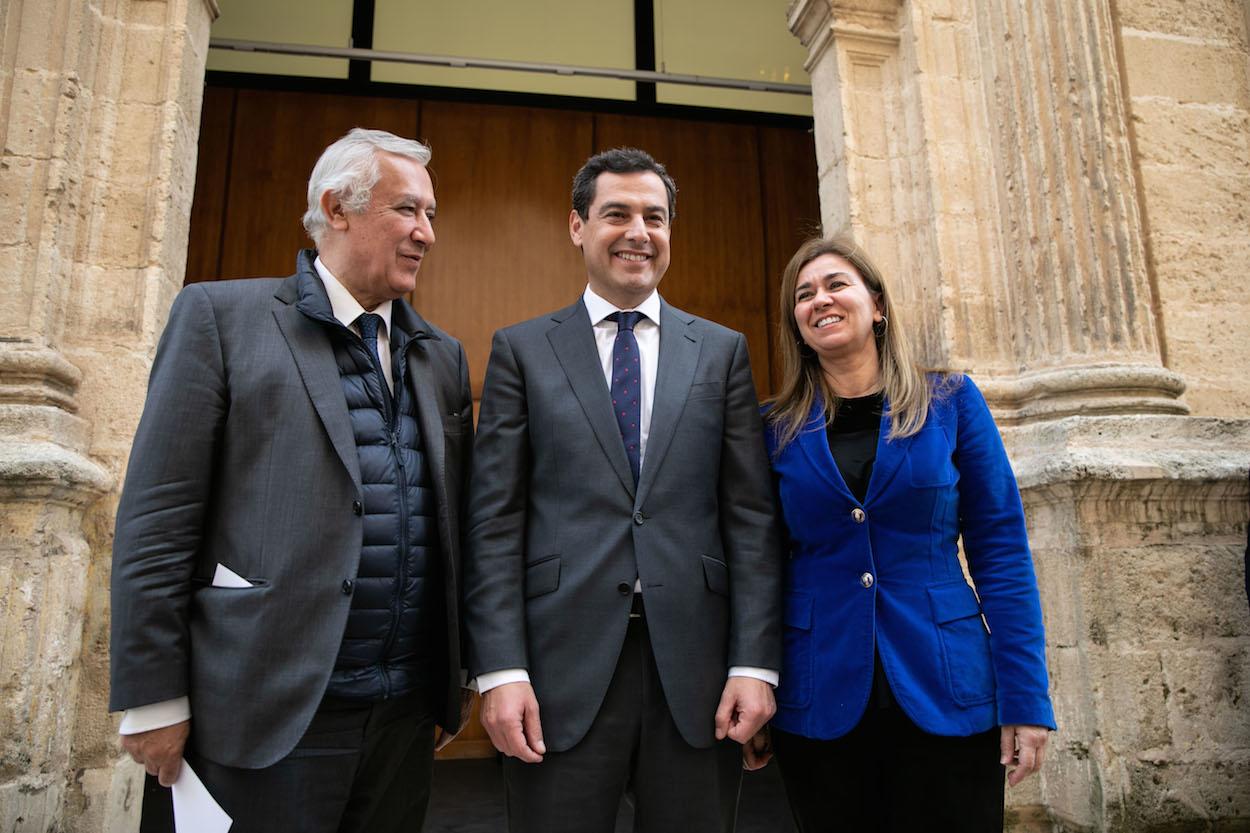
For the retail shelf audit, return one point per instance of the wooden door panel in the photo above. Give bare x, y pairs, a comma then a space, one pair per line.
208, 208
717, 268
503, 177
791, 212
278, 137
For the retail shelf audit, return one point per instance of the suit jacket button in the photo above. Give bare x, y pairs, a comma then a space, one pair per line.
857, 515
866, 579
639, 518
357, 508
624, 588
347, 586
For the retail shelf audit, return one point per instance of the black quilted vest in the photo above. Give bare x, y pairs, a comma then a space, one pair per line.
393, 643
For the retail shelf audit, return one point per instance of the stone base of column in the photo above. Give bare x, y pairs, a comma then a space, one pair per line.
1088, 390
46, 481
1138, 527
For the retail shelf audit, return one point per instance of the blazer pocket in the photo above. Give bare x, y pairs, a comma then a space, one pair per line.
707, 390
795, 689
542, 577
964, 642
716, 574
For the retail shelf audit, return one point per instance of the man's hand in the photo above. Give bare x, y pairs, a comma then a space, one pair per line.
160, 750
510, 716
1025, 747
758, 751
745, 706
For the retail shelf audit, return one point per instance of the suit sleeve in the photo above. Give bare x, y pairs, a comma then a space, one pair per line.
494, 604
161, 514
464, 472
749, 525
996, 545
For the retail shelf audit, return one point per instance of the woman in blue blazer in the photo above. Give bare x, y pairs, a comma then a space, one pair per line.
898, 708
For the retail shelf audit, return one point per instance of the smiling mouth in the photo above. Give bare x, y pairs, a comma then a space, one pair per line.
632, 257
827, 321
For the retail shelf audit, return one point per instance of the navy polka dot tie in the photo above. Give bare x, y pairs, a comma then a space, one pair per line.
627, 385
369, 324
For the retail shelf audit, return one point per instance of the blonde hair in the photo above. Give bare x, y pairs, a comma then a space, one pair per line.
905, 383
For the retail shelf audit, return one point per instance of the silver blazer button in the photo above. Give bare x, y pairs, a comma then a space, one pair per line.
866, 580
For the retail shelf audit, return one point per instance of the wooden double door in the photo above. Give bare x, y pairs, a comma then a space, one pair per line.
502, 176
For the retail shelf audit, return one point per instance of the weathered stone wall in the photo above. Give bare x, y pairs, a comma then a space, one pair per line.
1187, 76
99, 114
1059, 192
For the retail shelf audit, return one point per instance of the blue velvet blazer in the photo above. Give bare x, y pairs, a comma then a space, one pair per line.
884, 575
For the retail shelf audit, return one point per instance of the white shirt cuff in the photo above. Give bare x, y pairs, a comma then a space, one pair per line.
766, 674
155, 716
494, 679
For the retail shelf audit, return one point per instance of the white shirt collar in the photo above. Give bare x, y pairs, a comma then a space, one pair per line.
345, 307
600, 309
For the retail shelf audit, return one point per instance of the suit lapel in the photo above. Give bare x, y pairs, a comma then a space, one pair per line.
679, 356
890, 455
314, 356
575, 349
815, 444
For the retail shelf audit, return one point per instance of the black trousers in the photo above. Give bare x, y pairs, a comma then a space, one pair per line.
888, 775
358, 768
633, 745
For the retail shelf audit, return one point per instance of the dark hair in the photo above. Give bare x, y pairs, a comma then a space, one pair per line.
618, 161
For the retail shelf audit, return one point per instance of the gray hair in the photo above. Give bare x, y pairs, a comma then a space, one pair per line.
349, 170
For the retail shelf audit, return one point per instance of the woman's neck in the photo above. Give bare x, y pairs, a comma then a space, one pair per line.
853, 376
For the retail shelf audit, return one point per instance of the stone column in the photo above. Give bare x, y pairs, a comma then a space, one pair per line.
99, 114
982, 151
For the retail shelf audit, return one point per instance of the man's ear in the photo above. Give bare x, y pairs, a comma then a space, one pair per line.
332, 208
575, 227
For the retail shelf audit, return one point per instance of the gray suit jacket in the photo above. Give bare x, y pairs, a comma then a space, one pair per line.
244, 457
558, 531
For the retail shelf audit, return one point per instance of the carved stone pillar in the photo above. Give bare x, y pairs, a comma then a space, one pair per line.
981, 151
99, 112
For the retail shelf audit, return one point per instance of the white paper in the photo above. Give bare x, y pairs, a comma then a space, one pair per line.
195, 811
225, 577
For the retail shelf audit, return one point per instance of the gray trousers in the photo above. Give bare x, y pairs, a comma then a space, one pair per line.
633, 746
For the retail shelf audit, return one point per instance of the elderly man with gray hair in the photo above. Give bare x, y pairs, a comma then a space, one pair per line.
284, 599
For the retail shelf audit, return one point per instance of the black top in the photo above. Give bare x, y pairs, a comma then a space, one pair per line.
853, 440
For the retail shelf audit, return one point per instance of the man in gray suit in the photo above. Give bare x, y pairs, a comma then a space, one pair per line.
284, 589
622, 572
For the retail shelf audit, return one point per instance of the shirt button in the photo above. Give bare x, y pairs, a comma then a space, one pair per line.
347, 586
857, 515
357, 508
639, 518
866, 580
624, 588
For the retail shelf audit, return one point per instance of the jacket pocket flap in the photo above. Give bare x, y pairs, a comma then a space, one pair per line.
797, 612
717, 575
542, 577
953, 600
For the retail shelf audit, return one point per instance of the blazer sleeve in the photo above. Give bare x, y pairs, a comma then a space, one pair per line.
749, 529
494, 603
996, 545
161, 514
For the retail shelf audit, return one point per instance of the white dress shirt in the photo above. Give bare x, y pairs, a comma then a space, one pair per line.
647, 334
346, 310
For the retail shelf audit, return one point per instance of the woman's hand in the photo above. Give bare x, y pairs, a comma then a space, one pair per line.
757, 751
1023, 750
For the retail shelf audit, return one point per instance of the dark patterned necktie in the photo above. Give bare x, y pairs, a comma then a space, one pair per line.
627, 385
369, 324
